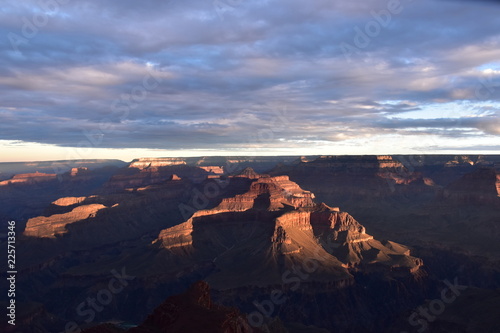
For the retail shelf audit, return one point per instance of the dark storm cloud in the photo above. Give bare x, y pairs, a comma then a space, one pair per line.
223, 76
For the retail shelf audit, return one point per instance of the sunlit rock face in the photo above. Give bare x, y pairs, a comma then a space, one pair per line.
78, 171
498, 184
29, 178
280, 191
79, 174
274, 226
143, 163
69, 201
50, 227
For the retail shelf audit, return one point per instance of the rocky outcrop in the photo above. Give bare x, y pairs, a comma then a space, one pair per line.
265, 193
68, 201
50, 227
346, 239
175, 177
248, 173
278, 223
29, 178
269, 193
78, 171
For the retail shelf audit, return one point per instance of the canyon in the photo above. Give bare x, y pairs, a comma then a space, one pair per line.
349, 243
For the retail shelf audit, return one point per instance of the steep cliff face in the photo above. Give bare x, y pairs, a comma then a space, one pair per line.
346, 239
497, 184
68, 201
260, 241
265, 193
271, 193
275, 226
50, 227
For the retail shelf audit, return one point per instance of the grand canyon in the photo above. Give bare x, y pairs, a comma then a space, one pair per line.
371, 243
264, 166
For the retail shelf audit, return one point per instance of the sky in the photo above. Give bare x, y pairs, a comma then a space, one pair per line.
127, 79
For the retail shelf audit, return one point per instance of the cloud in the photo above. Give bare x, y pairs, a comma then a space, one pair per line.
224, 77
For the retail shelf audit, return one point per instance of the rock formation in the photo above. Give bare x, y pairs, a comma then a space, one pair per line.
69, 201
78, 171
497, 184
175, 177
252, 235
274, 226
29, 178
50, 227
248, 173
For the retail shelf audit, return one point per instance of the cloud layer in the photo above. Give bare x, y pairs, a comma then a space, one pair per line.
232, 74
